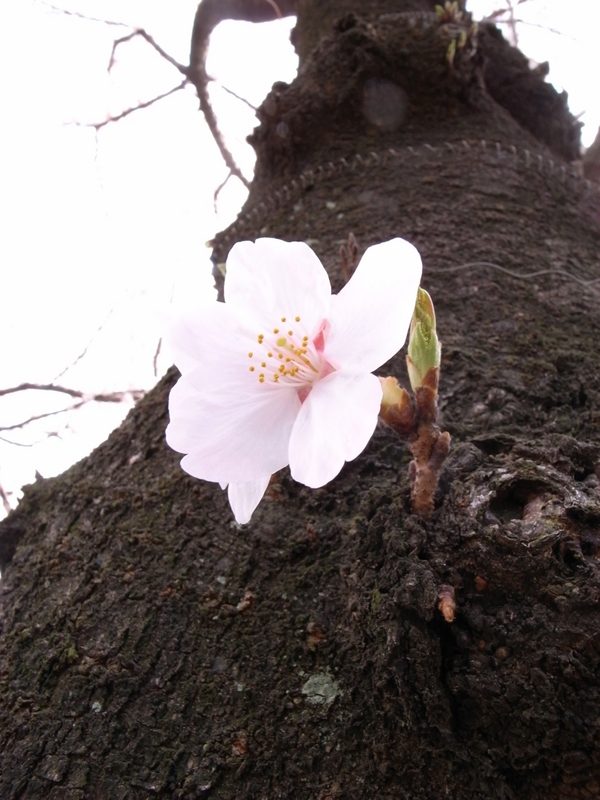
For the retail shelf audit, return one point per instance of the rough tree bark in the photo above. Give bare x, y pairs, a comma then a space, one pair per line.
152, 649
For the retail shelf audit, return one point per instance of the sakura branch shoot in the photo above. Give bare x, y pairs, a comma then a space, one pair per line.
281, 373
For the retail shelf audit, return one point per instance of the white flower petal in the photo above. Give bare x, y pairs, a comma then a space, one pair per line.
230, 438
371, 315
336, 421
244, 497
208, 333
270, 279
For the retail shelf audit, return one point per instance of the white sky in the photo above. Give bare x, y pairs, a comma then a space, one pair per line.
100, 233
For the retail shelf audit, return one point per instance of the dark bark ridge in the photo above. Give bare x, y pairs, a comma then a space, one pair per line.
152, 649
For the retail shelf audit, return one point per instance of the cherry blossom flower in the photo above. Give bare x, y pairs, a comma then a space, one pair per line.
281, 372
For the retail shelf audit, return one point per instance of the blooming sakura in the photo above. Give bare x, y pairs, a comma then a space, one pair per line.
281, 373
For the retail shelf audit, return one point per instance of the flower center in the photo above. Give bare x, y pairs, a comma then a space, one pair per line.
285, 355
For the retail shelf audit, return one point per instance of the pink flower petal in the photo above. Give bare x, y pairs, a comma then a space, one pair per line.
228, 437
270, 279
336, 421
244, 497
371, 315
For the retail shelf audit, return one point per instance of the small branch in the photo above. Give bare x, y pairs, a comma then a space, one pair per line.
155, 358
512, 24
100, 397
82, 397
84, 352
150, 40
79, 15
37, 417
209, 14
237, 96
5, 500
217, 191
17, 444
145, 104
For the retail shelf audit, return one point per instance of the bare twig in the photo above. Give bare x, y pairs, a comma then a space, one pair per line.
37, 417
275, 8
86, 17
147, 38
5, 500
500, 12
156, 355
208, 15
82, 399
234, 94
221, 186
99, 397
17, 444
84, 352
512, 22
144, 104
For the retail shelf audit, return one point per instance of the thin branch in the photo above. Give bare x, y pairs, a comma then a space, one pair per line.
150, 40
209, 14
512, 24
494, 17
217, 191
99, 397
234, 94
499, 12
275, 8
17, 444
84, 352
544, 28
42, 387
156, 355
79, 15
37, 417
5, 500
144, 104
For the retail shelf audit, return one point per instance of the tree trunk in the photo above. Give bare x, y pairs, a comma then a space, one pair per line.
151, 648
